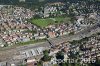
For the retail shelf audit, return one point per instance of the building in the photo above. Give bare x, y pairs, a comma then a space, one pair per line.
22, 0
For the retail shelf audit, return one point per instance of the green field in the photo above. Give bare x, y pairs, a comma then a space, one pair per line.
48, 21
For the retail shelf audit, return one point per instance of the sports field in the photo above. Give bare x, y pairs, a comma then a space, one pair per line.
48, 21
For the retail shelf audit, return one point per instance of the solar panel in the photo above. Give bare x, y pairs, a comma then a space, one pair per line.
37, 51
27, 53
33, 52
40, 50
30, 53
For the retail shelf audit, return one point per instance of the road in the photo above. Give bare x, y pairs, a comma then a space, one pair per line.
84, 33
9, 53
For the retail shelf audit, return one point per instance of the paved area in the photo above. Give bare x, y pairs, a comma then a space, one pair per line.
9, 53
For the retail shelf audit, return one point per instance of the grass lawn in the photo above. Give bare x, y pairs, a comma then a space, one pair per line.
42, 22
48, 21
30, 42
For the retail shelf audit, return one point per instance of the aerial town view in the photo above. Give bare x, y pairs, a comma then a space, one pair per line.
49, 32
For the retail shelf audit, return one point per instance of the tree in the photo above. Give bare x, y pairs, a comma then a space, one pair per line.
63, 64
60, 55
97, 63
46, 56
98, 33
23, 65
71, 33
85, 39
40, 63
